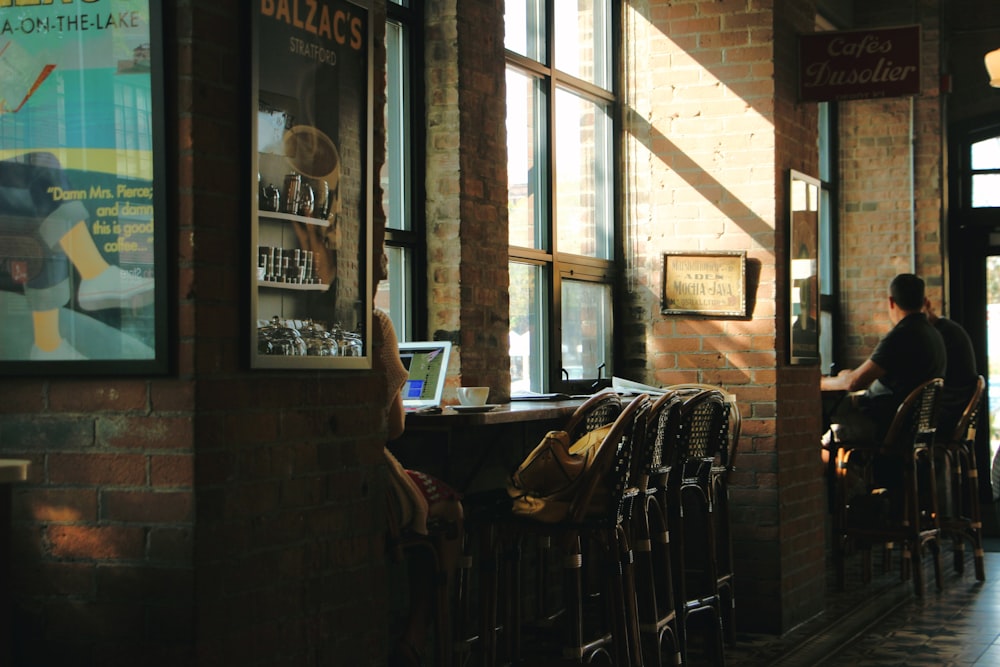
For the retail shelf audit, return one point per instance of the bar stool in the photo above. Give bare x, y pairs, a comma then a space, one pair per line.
595, 625
702, 432
722, 469
409, 547
963, 522
651, 540
904, 511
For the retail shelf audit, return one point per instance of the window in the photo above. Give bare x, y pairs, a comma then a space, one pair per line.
984, 160
561, 128
399, 176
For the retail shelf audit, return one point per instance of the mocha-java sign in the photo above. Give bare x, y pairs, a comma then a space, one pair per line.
859, 64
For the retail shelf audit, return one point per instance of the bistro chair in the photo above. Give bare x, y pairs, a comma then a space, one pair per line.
651, 537
886, 492
409, 546
502, 554
590, 625
702, 432
722, 469
962, 520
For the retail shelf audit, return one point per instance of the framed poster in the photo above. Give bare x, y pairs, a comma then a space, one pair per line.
82, 227
310, 266
704, 283
803, 268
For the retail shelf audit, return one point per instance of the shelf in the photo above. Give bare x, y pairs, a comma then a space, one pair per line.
318, 287
291, 217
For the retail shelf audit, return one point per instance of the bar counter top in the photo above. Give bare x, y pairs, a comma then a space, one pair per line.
504, 413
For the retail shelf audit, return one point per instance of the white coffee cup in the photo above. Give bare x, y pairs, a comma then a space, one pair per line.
473, 395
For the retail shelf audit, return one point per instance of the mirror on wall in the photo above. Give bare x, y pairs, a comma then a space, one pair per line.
803, 280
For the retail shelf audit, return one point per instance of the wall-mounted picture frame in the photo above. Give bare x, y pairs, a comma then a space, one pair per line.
310, 260
704, 283
83, 279
803, 269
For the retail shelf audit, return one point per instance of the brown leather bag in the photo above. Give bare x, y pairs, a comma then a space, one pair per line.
543, 485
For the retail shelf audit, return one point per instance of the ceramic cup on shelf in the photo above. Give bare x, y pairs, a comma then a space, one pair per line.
473, 395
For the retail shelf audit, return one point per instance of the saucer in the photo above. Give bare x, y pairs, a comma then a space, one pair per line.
474, 408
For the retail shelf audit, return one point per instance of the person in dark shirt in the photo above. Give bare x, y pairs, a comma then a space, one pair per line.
910, 354
960, 376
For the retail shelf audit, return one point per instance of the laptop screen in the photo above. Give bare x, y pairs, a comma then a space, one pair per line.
427, 365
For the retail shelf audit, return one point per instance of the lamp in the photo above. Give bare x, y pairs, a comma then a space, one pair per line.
992, 61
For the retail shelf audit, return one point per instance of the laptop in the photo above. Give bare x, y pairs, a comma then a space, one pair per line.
427, 365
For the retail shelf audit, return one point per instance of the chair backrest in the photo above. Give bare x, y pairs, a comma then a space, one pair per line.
727, 456
965, 430
599, 410
915, 421
607, 478
659, 450
704, 431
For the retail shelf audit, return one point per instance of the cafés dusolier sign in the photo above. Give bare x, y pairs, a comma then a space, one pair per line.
859, 64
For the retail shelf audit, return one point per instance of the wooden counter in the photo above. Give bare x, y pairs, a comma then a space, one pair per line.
476, 451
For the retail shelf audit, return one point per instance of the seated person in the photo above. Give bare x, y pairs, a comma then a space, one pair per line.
414, 498
961, 375
912, 353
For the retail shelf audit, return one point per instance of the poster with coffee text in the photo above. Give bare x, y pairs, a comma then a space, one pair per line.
312, 122
80, 234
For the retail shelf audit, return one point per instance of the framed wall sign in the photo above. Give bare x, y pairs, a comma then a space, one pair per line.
82, 226
309, 268
704, 283
803, 268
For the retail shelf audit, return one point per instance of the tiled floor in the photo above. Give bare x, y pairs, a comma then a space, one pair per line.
883, 624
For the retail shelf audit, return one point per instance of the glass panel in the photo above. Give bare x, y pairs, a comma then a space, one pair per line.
986, 154
526, 166
985, 190
582, 40
393, 294
586, 330
825, 243
524, 22
528, 325
993, 356
395, 176
825, 170
584, 178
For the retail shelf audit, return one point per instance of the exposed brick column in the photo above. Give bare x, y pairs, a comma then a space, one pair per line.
467, 189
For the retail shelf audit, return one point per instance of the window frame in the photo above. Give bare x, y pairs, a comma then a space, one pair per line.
412, 302
559, 266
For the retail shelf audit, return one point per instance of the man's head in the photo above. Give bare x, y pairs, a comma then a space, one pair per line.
906, 292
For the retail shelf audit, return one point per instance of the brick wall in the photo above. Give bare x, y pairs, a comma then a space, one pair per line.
212, 516
884, 229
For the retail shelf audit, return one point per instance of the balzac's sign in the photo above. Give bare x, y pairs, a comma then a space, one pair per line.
859, 64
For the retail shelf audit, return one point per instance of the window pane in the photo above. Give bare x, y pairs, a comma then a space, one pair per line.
825, 154
526, 170
395, 175
394, 294
584, 178
582, 36
985, 190
586, 330
986, 154
528, 325
524, 21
